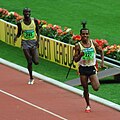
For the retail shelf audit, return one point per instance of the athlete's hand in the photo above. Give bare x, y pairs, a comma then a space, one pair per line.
15, 39
37, 44
78, 57
81, 54
102, 65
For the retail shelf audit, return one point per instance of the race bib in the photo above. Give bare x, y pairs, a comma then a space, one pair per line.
88, 54
29, 34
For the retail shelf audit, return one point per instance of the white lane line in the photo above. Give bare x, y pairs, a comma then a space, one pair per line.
62, 85
33, 105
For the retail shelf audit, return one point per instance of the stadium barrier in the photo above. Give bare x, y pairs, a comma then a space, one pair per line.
50, 49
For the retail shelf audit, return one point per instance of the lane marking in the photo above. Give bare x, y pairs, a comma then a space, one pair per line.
33, 105
61, 85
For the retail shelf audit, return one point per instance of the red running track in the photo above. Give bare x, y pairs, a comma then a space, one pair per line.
44, 101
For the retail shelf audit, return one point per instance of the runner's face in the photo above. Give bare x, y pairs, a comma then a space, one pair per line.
85, 35
26, 14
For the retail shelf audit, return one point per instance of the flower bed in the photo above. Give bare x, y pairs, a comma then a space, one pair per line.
65, 35
112, 51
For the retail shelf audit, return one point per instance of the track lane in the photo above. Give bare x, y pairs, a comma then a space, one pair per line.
60, 101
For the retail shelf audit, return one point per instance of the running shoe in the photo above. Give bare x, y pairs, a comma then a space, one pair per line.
88, 109
31, 82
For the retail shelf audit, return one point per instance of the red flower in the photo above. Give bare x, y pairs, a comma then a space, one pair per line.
103, 43
76, 37
59, 31
1, 9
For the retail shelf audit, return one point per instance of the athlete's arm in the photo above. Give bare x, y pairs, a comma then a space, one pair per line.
99, 49
18, 32
78, 54
37, 31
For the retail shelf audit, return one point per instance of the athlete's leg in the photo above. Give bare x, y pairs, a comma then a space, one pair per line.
35, 56
29, 61
84, 82
94, 82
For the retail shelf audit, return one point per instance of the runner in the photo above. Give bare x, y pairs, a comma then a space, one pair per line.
85, 54
28, 29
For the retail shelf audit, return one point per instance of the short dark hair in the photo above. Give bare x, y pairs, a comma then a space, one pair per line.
26, 9
84, 26
83, 29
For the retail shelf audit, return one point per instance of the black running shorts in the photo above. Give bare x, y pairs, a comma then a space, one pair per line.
87, 70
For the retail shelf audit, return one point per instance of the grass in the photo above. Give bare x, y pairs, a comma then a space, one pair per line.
109, 88
107, 91
102, 16
45, 67
103, 22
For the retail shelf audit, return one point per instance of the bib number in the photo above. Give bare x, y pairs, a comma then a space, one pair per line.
88, 54
29, 34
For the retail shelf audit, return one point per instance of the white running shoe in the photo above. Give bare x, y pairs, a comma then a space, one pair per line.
88, 109
31, 82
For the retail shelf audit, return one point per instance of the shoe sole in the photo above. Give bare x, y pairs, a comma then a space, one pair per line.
31, 83
87, 111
